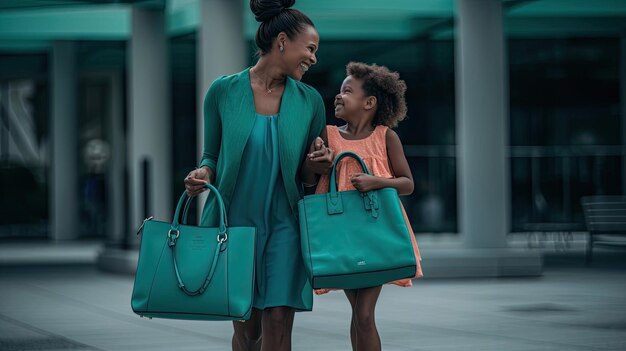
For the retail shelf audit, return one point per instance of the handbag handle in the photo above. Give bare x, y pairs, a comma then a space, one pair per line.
334, 203
174, 233
186, 211
187, 203
333, 179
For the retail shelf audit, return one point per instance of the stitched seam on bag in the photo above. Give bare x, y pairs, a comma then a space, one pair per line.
411, 237
155, 275
308, 238
253, 272
367, 272
228, 277
135, 284
228, 317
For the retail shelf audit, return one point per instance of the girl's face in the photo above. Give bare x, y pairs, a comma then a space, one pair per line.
351, 99
299, 53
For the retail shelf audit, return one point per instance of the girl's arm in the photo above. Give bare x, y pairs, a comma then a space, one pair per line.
399, 165
403, 181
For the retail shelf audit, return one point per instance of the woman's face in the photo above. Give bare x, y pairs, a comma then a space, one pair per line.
299, 53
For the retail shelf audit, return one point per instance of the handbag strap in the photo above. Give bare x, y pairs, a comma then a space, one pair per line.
332, 184
174, 233
185, 201
186, 210
334, 203
209, 276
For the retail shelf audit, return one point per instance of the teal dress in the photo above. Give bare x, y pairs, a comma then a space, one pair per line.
260, 200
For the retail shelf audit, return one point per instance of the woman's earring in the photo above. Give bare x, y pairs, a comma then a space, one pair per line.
281, 48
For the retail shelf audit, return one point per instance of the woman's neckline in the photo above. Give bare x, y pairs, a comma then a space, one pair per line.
251, 92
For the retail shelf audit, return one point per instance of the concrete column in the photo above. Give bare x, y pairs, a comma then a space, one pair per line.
149, 137
116, 206
218, 55
149, 127
116, 256
482, 124
63, 197
482, 159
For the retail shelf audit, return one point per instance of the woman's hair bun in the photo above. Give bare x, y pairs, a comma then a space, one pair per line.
264, 10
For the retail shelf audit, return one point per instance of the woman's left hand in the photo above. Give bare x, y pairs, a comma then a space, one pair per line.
363, 182
320, 158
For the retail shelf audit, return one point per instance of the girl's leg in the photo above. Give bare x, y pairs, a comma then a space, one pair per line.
366, 332
247, 335
351, 294
277, 325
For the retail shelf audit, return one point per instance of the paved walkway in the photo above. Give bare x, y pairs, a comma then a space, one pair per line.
570, 307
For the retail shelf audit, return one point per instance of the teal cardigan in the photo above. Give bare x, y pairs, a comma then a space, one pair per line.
229, 116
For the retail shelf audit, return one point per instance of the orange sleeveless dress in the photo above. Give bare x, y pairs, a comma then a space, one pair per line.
373, 151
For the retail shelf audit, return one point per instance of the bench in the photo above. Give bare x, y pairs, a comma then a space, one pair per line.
605, 217
558, 233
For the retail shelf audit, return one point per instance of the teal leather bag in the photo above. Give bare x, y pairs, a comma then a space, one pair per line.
354, 240
190, 272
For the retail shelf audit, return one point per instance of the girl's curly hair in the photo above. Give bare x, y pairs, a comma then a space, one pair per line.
388, 89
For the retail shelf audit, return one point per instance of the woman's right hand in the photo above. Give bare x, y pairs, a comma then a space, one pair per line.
196, 179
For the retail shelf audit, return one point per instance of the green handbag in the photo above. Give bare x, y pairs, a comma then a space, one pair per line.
189, 272
354, 240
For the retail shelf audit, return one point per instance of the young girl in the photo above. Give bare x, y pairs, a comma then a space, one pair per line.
371, 102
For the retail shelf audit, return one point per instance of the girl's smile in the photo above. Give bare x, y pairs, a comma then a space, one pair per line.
350, 98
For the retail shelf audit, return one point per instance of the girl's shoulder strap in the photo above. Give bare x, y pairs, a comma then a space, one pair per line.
379, 141
332, 134
380, 133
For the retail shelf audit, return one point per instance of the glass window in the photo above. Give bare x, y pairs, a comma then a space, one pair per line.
24, 106
564, 127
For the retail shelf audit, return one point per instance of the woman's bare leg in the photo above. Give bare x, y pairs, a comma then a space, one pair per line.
247, 336
277, 326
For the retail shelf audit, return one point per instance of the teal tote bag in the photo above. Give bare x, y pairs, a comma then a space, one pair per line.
190, 272
354, 240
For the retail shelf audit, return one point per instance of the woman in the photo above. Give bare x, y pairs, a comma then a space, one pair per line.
258, 126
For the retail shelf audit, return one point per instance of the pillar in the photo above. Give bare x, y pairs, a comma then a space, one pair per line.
218, 55
482, 124
149, 128
63, 197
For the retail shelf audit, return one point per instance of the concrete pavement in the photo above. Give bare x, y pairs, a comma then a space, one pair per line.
570, 307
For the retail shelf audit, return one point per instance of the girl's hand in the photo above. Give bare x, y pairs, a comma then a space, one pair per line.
364, 182
196, 179
320, 158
